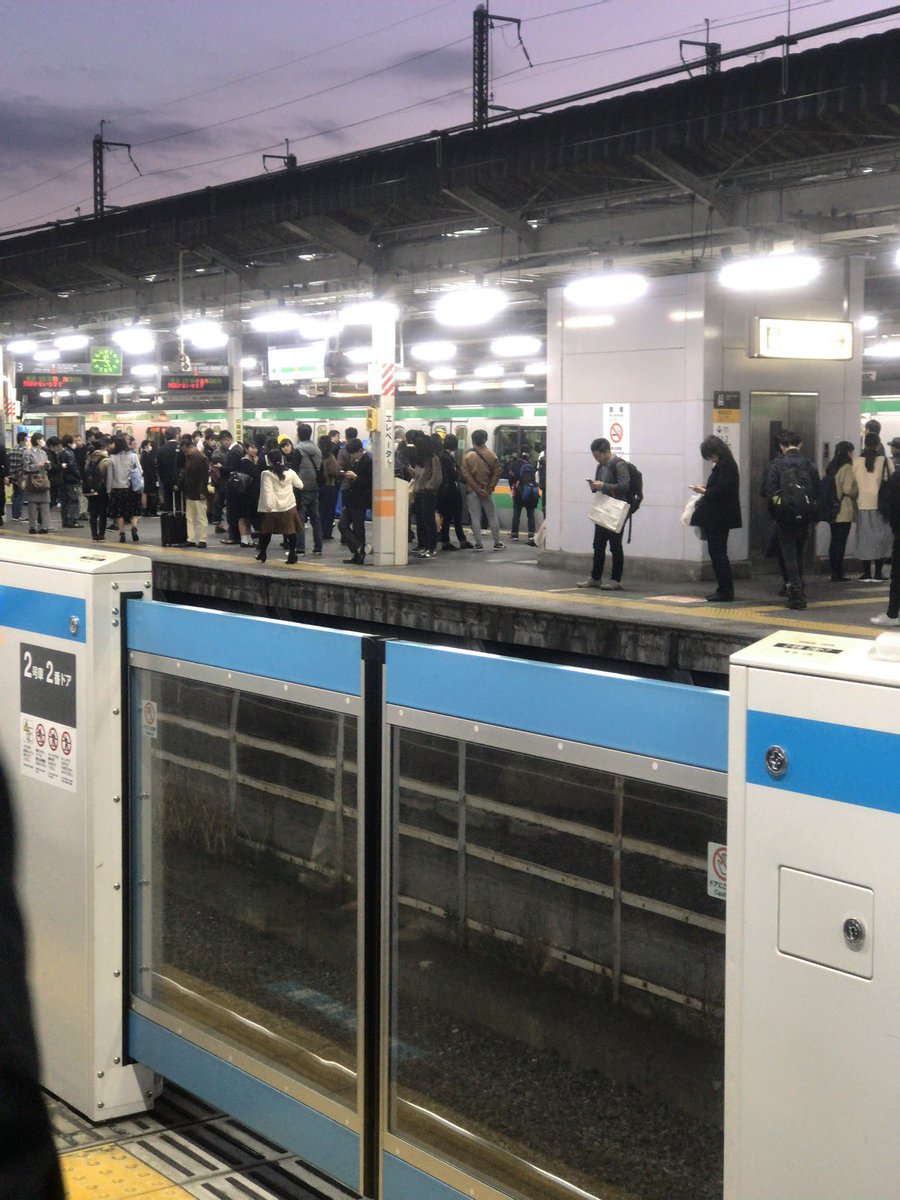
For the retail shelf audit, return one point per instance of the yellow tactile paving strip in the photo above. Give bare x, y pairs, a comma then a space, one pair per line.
111, 1173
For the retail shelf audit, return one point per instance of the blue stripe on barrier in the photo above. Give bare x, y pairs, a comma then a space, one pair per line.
322, 658
641, 716
319, 1140
405, 1182
41, 612
836, 762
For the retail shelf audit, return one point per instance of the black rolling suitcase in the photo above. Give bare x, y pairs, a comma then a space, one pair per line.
173, 525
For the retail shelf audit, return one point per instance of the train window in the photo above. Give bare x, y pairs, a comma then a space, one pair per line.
511, 440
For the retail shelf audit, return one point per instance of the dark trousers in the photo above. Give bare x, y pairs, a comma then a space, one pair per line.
308, 508
97, 506
426, 525
518, 509
791, 540
18, 502
602, 539
893, 608
840, 531
69, 496
451, 513
352, 527
717, 544
327, 505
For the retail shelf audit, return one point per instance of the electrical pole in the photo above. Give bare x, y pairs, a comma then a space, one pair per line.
99, 147
482, 23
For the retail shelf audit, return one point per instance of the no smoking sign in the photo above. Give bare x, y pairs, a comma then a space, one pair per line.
716, 870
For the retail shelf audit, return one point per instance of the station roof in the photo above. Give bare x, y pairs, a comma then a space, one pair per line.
804, 148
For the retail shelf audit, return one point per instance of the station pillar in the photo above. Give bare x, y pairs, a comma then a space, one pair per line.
383, 389
235, 406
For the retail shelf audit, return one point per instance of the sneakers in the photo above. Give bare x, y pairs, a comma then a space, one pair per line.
466, 545
201, 545
531, 542
612, 586
513, 537
478, 546
425, 554
499, 546
589, 582
884, 619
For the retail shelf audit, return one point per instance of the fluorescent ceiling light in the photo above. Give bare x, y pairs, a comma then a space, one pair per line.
46, 355
606, 288
253, 383
516, 383
470, 306
686, 314
144, 370
317, 329
536, 368
516, 346
359, 355
65, 393
590, 321
889, 348
104, 391
367, 312
471, 385
205, 335
867, 323
125, 391
402, 373
770, 273
489, 371
135, 339
71, 341
358, 377
440, 387
249, 363
442, 373
275, 320
897, 258
22, 346
83, 392
46, 395
433, 351
147, 389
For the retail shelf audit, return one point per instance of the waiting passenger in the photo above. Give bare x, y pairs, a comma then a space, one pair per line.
36, 484
125, 484
612, 479
193, 484
838, 507
278, 505
873, 534
719, 511
892, 513
791, 486
329, 493
309, 466
357, 499
481, 473
523, 485
450, 497
94, 486
428, 476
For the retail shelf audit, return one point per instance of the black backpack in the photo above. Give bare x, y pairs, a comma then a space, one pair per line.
526, 485
93, 480
829, 502
794, 503
635, 494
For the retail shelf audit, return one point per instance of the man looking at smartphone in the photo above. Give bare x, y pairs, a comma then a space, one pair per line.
611, 477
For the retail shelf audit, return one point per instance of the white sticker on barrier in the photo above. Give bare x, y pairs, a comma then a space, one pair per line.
47, 703
716, 870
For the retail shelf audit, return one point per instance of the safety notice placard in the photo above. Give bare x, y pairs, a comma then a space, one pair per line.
47, 715
617, 427
716, 870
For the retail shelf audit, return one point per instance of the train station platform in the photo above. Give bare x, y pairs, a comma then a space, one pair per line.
499, 598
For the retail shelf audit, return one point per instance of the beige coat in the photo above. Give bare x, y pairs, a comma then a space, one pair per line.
869, 482
847, 490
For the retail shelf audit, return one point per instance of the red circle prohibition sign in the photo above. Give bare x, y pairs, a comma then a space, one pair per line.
616, 432
719, 864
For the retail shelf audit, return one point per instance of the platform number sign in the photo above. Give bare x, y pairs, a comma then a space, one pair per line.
47, 714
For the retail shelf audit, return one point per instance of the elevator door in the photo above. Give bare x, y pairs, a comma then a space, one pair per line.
770, 412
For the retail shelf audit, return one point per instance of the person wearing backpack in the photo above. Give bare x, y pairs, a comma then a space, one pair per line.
613, 478
718, 511
450, 501
873, 534
94, 487
523, 485
837, 506
791, 486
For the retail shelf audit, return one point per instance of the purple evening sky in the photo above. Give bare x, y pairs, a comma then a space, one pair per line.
203, 88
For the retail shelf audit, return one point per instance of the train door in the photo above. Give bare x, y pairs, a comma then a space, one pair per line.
770, 412
157, 433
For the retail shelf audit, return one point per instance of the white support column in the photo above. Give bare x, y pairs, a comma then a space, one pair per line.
235, 407
383, 387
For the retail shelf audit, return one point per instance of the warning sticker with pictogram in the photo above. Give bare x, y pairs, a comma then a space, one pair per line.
617, 427
47, 715
149, 718
716, 870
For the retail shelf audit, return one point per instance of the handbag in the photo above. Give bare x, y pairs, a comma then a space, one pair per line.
136, 476
37, 481
608, 512
687, 517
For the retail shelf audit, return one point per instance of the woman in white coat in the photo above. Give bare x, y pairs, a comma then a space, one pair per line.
278, 505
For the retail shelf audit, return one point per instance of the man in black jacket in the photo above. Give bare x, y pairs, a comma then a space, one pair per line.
168, 463
891, 510
29, 1167
791, 486
357, 498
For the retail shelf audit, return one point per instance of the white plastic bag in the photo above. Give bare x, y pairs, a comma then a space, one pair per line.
609, 512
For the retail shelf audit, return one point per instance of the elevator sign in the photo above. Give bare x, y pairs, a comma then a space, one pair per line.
47, 715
